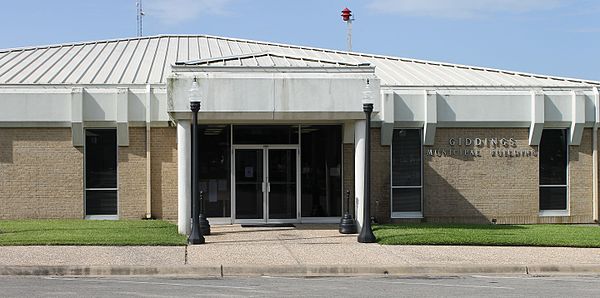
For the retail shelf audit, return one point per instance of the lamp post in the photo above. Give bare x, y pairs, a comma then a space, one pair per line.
195, 97
366, 233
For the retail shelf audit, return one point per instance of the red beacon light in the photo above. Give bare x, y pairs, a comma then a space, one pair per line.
346, 14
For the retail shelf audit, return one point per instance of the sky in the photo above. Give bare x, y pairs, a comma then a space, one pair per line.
549, 37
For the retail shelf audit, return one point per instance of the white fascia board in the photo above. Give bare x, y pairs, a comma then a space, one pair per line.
537, 117
387, 117
274, 95
577, 118
431, 107
27, 105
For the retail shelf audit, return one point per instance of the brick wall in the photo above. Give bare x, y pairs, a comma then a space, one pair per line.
380, 178
478, 189
164, 172
132, 176
41, 174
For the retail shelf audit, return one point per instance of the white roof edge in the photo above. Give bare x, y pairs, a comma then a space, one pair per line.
444, 64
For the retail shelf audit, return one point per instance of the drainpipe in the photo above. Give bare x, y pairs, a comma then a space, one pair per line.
595, 154
148, 155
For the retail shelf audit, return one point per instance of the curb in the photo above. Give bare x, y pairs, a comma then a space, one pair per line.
295, 270
320, 270
206, 271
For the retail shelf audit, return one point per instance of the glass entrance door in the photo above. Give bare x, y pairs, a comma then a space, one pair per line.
266, 184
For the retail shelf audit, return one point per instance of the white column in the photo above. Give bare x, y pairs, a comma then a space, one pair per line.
184, 172
359, 170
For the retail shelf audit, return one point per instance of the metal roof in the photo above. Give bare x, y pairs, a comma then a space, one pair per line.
266, 59
148, 59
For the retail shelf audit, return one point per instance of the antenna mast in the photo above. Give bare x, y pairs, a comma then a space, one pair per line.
140, 17
347, 17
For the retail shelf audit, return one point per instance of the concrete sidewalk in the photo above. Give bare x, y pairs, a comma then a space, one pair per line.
305, 250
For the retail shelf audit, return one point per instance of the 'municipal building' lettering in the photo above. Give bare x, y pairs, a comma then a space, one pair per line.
102, 129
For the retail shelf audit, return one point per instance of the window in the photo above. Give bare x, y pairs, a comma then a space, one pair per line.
214, 178
553, 172
321, 170
100, 172
407, 167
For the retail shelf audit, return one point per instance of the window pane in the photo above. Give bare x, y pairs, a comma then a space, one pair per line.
265, 134
214, 159
553, 198
320, 171
553, 157
101, 158
101, 202
406, 200
406, 157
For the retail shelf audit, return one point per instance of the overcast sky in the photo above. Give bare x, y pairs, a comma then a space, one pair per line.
552, 37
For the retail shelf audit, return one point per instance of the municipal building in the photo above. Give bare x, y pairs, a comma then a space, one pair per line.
102, 130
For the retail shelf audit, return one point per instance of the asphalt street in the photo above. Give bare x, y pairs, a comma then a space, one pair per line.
463, 286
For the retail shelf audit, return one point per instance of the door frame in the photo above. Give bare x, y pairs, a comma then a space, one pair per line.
265, 150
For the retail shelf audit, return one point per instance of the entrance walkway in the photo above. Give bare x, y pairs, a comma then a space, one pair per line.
304, 250
324, 245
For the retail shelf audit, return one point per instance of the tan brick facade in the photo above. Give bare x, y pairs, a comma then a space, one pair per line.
164, 172
477, 189
132, 176
40, 167
41, 174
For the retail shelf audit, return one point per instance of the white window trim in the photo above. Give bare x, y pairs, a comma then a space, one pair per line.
544, 213
410, 214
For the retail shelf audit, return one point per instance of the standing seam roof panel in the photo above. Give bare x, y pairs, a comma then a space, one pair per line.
131, 71
171, 56
14, 62
86, 63
35, 65
51, 74
194, 48
111, 62
224, 47
47, 65
183, 50
121, 65
141, 76
204, 48
159, 64
98, 64
74, 63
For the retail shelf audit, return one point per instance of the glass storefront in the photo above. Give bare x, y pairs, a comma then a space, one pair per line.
280, 172
321, 170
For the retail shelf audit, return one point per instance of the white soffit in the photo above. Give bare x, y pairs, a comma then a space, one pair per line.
148, 60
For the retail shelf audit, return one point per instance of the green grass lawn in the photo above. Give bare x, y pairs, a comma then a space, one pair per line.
497, 235
89, 232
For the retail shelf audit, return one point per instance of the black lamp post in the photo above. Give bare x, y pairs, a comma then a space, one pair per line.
196, 234
366, 233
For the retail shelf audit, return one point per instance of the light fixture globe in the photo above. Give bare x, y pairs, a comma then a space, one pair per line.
367, 93
195, 94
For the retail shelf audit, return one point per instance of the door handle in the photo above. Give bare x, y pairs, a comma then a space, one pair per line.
268, 186
263, 187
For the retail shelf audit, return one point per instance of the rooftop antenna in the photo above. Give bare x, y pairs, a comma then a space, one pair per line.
140, 16
348, 18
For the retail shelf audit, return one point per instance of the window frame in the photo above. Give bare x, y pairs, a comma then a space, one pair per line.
405, 214
556, 212
85, 188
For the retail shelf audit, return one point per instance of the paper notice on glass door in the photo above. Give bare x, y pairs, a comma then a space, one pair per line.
249, 172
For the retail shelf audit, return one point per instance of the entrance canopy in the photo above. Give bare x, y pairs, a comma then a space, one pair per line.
271, 86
